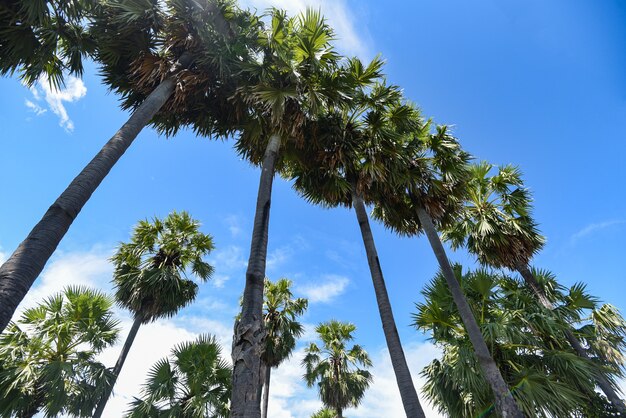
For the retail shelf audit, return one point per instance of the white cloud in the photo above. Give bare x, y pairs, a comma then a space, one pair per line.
3, 257
234, 225
73, 91
227, 261
278, 257
592, 228
339, 15
326, 289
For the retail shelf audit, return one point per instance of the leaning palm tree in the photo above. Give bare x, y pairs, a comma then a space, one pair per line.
151, 275
351, 153
292, 80
193, 383
335, 367
48, 357
496, 225
549, 379
280, 312
171, 68
431, 187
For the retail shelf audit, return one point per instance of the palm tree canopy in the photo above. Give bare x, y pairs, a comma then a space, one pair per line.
48, 358
281, 326
495, 222
527, 342
151, 275
44, 39
335, 367
193, 383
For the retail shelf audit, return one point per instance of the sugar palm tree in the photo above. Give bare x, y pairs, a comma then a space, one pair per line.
496, 225
352, 153
280, 312
151, 274
171, 68
48, 357
324, 413
291, 82
193, 383
431, 190
549, 380
335, 368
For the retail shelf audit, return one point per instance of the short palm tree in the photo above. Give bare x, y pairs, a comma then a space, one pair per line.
172, 68
193, 383
496, 225
151, 274
292, 80
280, 313
48, 358
324, 413
430, 191
549, 379
335, 367
351, 153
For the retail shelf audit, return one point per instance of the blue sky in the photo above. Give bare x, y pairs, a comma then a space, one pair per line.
537, 84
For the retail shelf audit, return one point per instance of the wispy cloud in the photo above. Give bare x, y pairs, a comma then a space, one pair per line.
73, 91
234, 224
227, 262
324, 290
593, 228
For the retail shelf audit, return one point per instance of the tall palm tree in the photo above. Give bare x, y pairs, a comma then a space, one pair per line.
150, 274
335, 367
280, 311
48, 357
193, 383
430, 191
161, 63
549, 379
352, 152
291, 81
496, 225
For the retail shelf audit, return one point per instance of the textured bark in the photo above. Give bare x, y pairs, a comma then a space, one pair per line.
118, 366
408, 394
505, 404
249, 333
266, 391
19, 272
601, 381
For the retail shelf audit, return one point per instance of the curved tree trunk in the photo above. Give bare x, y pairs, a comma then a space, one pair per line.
266, 391
602, 382
410, 401
505, 404
130, 338
249, 332
19, 272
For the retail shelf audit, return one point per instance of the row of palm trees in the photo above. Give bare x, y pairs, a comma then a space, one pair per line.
332, 125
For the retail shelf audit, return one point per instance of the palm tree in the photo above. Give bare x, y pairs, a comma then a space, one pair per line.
282, 329
431, 189
48, 358
194, 383
324, 413
335, 368
549, 379
150, 274
290, 83
496, 225
160, 63
351, 154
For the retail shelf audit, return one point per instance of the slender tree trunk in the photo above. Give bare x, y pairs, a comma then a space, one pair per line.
249, 332
118, 366
408, 394
602, 382
505, 404
339, 412
266, 391
19, 272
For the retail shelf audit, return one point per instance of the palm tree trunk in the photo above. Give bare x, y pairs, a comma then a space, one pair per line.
408, 394
19, 272
118, 365
249, 332
505, 404
339, 412
602, 382
266, 391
